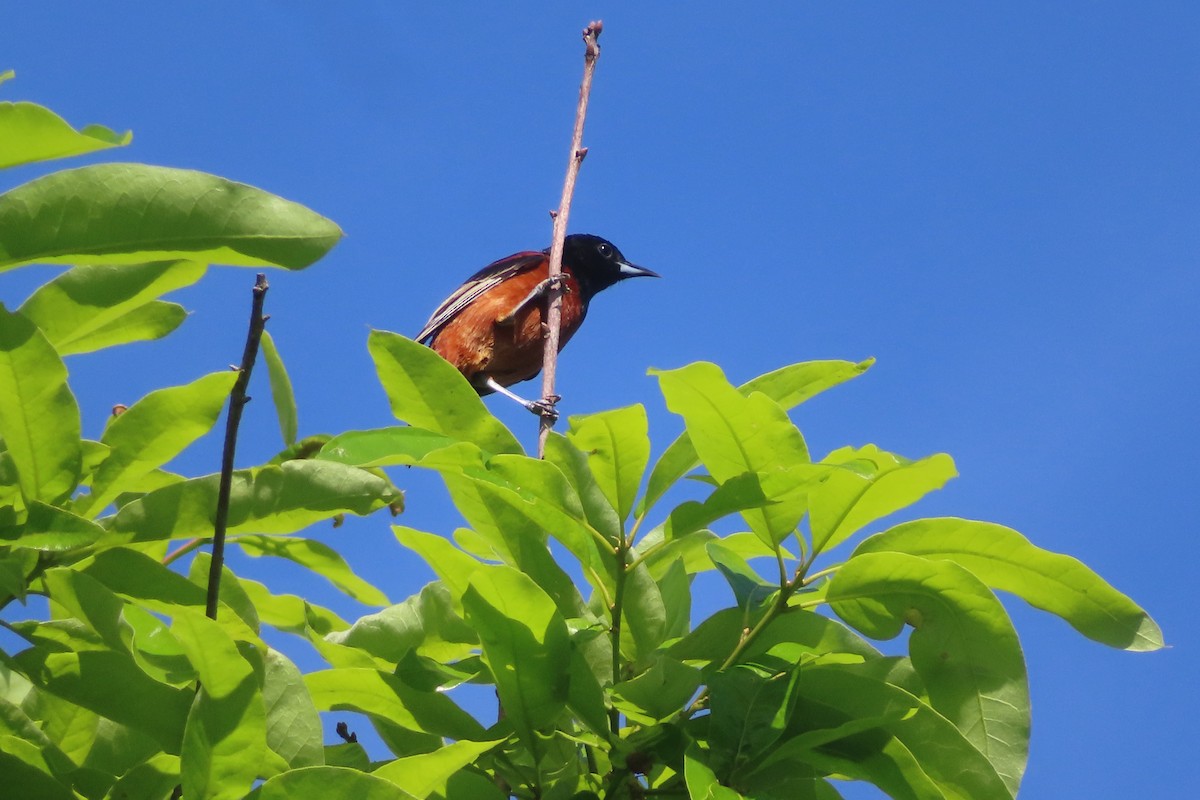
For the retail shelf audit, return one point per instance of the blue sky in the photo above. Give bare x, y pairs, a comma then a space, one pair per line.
998, 202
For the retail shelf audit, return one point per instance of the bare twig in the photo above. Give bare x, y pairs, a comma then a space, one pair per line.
591, 36
237, 401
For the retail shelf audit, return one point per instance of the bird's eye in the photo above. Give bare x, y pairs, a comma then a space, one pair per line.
605, 249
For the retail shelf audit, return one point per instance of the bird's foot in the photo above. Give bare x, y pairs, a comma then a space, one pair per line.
545, 407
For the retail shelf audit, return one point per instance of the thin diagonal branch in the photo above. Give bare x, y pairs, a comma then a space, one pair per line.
237, 401
591, 36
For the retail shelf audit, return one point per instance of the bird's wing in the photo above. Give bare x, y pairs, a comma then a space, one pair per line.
475, 286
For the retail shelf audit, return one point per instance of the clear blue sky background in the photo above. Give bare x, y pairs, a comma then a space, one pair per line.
998, 202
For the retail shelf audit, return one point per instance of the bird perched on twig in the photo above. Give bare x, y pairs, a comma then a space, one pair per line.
492, 328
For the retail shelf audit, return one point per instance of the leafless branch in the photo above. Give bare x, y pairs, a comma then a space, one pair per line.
591, 36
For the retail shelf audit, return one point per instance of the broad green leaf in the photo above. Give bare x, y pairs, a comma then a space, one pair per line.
272, 500
453, 566
574, 465
526, 646
329, 783
659, 692
383, 447
692, 552
716, 637
617, 445
750, 590
39, 420
25, 779
317, 557
734, 434
132, 213
98, 305
675, 587
788, 386
962, 645
293, 725
154, 778
913, 752
422, 775
383, 695
152, 585
70, 730
1006, 560
875, 484
539, 491
154, 430
586, 697
500, 519
29, 132
281, 390
748, 713
290, 613
119, 625
53, 530
739, 493
225, 739
112, 685
426, 620
427, 392
643, 615
702, 783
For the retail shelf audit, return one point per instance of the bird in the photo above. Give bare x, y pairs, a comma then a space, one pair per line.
492, 327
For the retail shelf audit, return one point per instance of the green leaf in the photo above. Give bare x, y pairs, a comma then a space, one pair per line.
1006, 560
29, 132
913, 752
573, 464
876, 483
644, 615
658, 693
425, 620
962, 645
383, 447
52, 530
539, 491
273, 500
749, 588
329, 783
788, 386
290, 613
99, 305
281, 390
25, 779
39, 420
131, 213
154, 430
526, 646
702, 783
112, 685
716, 637
154, 778
225, 739
422, 775
318, 557
383, 695
749, 711
735, 434
617, 445
452, 565
293, 725
427, 392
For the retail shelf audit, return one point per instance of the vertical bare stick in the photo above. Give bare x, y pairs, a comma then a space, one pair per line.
591, 36
237, 401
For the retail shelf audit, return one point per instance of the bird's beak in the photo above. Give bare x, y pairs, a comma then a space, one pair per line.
628, 270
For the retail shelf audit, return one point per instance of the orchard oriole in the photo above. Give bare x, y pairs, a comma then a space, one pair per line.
491, 329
